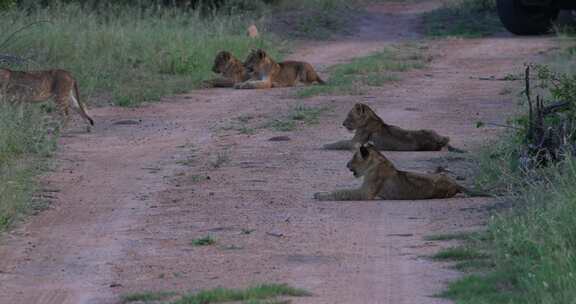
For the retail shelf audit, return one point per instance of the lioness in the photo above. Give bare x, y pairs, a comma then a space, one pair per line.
231, 69
383, 181
38, 86
370, 127
265, 73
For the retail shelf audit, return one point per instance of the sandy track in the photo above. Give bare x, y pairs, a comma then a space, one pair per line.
134, 196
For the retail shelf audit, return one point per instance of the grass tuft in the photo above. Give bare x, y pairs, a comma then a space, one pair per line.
147, 296
299, 114
373, 70
250, 295
204, 241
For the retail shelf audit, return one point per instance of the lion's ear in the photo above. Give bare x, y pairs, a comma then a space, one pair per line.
364, 152
361, 108
226, 55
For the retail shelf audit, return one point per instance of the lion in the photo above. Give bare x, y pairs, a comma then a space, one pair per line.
383, 181
39, 86
266, 73
370, 127
231, 69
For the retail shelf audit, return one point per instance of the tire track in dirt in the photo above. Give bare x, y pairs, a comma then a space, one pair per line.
134, 196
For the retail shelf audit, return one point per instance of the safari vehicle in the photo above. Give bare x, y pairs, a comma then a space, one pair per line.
531, 17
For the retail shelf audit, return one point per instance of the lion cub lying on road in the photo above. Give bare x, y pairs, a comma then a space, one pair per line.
231, 69
370, 127
265, 73
383, 181
38, 86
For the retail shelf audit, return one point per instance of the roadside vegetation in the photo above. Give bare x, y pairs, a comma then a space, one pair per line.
371, 71
25, 145
463, 18
527, 253
260, 294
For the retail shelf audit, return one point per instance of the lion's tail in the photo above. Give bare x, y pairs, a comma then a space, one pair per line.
475, 193
81, 107
445, 142
455, 150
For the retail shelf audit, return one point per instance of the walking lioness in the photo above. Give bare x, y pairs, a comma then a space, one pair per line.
38, 86
383, 181
265, 73
370, 127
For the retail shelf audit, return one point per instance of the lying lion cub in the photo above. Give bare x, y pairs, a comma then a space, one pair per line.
231, 69
266, 73
383, 181
38, 86
370, 127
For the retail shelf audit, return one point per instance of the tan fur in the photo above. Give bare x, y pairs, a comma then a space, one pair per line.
370, 127
266, 73
39, 86
383, 181
231, 69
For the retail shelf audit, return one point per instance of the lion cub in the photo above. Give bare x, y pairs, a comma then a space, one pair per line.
383, 181
38, 86
265, 73
370, 127
231, 69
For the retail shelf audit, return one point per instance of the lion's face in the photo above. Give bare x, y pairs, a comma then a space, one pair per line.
358, 116
257, 61
362, 160
221, 62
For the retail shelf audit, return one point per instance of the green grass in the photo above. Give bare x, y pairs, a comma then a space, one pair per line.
463, 18
458, 254
25, 144
531, 246
250, 295
147, 297
373, 70
204, 241
124, 55
298, 115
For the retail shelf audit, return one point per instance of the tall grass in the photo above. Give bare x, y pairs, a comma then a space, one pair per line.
127, 55
24, 144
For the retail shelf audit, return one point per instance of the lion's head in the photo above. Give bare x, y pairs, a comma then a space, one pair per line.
365, 158
359, 116
258, 61
221, 62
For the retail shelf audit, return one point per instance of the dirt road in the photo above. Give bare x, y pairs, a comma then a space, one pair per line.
133, 196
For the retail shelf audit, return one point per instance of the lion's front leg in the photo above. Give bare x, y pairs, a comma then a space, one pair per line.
339, 145
344, 195
254, 84
218, 83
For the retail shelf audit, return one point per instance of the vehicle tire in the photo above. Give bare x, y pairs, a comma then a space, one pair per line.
525, 20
